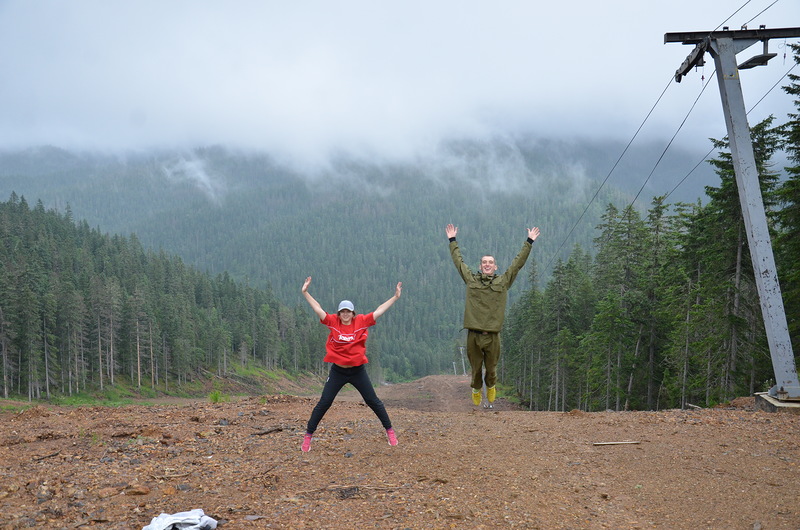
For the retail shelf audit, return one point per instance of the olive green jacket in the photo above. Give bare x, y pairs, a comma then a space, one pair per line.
487, 295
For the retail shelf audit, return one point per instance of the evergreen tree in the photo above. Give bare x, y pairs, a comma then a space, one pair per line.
79, 309
524, 344
788, 238
620, 277
710, 313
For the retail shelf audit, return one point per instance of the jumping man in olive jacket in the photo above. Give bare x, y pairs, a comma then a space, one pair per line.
484, 310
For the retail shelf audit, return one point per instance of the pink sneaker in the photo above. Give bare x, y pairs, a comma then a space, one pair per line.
306, 447
392, 436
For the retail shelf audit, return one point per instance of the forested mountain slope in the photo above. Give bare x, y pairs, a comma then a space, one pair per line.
80, 310
355, 226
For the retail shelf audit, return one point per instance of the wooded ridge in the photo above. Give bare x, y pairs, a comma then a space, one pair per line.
638, 306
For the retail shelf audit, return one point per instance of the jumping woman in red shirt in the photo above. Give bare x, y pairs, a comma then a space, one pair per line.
346, 349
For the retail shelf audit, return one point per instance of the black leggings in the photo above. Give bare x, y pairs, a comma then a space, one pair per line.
337, 378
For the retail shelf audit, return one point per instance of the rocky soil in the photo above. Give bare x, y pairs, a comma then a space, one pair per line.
456, 466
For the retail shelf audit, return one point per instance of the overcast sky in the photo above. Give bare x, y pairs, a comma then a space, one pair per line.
375, 78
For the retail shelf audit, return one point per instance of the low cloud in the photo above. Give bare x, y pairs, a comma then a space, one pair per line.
305, 81
193, 170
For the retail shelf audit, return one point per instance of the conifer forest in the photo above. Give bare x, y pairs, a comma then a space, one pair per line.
110, 275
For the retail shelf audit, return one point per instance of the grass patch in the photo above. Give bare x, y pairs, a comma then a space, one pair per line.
109, 397
248, 370
248, 380
147, 393
507, 392
14, 408
258, 372
275, 376
216, 396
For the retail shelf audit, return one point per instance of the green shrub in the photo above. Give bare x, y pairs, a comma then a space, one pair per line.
217, 396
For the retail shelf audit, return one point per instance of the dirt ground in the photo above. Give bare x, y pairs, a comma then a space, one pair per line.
456, 465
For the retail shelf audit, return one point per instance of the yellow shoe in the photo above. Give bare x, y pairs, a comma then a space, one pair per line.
476, 397
491, 393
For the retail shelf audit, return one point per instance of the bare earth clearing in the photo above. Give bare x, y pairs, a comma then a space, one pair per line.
456, 466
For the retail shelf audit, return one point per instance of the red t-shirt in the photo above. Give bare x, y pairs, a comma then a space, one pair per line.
347, 344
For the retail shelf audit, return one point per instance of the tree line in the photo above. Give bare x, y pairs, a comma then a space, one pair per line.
665, 312
601, 329
358, 226
80, 309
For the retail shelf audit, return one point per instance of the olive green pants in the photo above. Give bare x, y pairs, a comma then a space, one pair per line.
483, 349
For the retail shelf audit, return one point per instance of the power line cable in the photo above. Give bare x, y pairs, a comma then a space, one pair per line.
564, 240
751, 108
689, 173
672, 139
596, 193
773, 87
732, 15
748, 113
760, 13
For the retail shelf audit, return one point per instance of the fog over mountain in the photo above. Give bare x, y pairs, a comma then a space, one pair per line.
184, 200
384, 82
359, 225
505, 165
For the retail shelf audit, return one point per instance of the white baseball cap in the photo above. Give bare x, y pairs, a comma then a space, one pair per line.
346, 304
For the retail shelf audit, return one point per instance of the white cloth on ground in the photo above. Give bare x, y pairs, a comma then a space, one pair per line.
191, 520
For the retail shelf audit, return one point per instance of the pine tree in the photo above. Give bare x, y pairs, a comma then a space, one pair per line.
732, 337
787, 241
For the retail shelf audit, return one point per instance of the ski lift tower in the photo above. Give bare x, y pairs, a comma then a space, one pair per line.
723, 47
